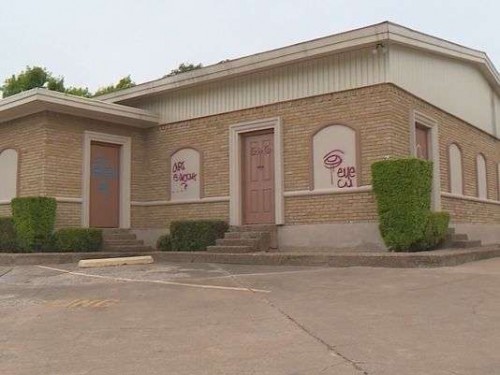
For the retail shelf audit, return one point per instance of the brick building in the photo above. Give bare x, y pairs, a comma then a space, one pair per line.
283, 137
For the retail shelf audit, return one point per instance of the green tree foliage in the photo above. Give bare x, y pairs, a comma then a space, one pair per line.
78, 91
36, 76
31, 78
124, 83
183, 68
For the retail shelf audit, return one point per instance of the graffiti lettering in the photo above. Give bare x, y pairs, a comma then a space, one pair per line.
345, 175
181, 177
178, 166
266, 150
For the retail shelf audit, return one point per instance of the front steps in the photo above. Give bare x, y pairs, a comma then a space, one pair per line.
459, 240
246, 239
123, 241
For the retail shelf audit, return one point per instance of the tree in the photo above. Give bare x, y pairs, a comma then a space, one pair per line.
79, 91
31, 78
124, 83
183, 68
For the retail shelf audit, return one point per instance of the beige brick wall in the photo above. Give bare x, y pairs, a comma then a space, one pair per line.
64, 154
5, 210
68, 215
332, 208
161, 216
51, 152
366, 110
471, 140
465, 211
28, 137
64, 161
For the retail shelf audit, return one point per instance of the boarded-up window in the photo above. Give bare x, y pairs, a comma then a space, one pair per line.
185, 174
456, 175
8, 174
334, 158
422, 142
482, 186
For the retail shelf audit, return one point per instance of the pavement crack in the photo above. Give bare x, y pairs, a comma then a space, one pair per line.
330, 348
6, 272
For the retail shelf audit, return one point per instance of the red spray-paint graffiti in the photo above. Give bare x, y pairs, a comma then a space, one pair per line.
180, 175
345, 175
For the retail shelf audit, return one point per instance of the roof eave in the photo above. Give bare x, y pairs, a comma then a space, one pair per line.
38, 100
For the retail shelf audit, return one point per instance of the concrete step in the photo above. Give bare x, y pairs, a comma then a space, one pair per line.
117, 243
119, 237
230, 249
115, 231
253, 228
243, 235
253, 242
466, 244
458, 237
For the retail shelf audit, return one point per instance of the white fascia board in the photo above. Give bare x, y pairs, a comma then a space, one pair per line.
50, 100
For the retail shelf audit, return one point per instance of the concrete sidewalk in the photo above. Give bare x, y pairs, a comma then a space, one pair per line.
436, 258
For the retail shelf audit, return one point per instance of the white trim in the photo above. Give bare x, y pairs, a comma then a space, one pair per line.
186, 201
125, 174
432, 124
4, 203
69, 200
469, 198
303, 193
39, 99
235, 132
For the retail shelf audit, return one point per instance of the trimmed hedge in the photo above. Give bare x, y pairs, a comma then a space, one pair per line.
196, 235
78, 239
164, 243
403, 191
8, 238
34, 220
435, 231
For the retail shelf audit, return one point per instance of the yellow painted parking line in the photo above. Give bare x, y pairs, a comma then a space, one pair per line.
200, 286
85, 303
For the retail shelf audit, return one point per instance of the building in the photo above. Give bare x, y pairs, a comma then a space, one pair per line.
283, 137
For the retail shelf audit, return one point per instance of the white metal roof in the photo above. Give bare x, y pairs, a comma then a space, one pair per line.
386, 32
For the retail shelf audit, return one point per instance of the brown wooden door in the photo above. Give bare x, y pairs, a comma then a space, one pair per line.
104, 185
258, 178
422, 142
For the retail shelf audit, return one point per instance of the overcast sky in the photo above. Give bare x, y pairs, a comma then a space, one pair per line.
95, 42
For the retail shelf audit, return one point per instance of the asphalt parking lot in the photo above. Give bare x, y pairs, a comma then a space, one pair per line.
195, 319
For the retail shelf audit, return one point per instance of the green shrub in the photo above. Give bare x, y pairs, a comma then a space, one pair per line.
196, 235
8, 239
34, 220
403, 191
435, 231
164, 243
78, 239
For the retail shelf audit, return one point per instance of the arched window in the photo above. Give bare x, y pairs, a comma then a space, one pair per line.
335, 158
455, 169
482, 186
185, 174
8, 174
